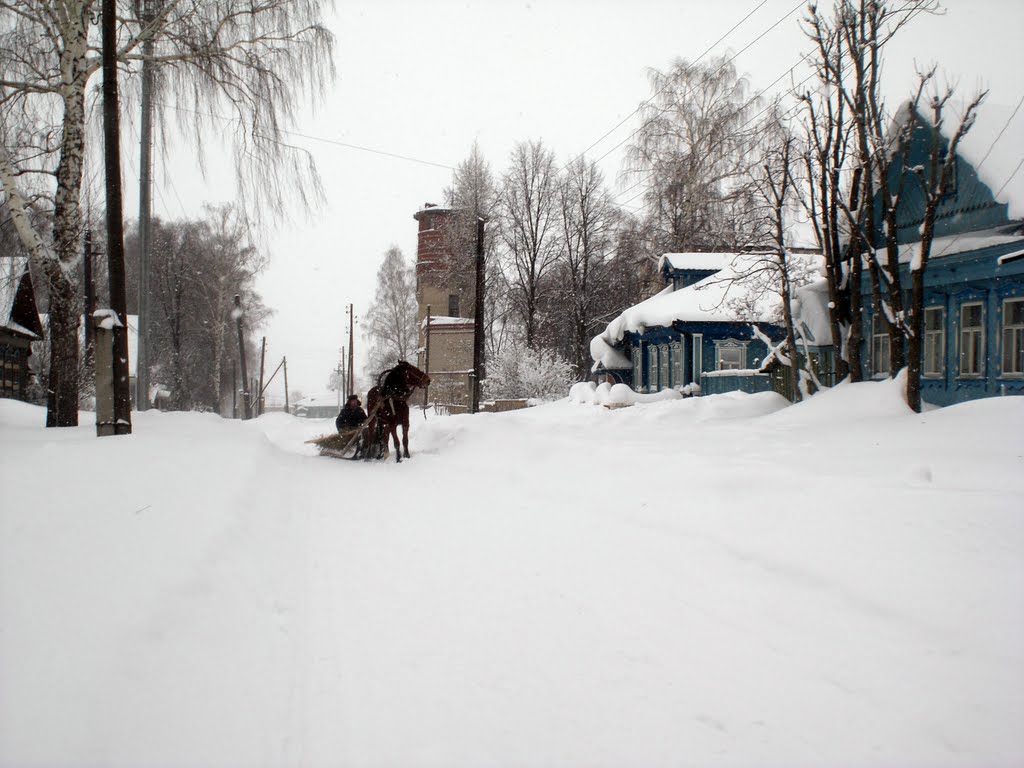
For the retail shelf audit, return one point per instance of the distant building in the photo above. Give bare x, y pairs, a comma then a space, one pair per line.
19, 326
444, 293
320, 406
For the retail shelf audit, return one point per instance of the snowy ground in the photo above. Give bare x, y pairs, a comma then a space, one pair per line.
713, 581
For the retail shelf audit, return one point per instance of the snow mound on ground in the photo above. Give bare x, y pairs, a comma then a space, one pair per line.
849, 402
588, 393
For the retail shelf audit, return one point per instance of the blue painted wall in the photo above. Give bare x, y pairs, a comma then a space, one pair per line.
951, 282
683, 333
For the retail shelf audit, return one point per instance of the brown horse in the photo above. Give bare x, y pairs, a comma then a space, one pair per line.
388, 406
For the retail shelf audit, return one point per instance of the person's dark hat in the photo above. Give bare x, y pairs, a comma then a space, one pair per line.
352, 397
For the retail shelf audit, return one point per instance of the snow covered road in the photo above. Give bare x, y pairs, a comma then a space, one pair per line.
715, 581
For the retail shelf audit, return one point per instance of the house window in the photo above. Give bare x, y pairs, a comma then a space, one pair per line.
453, 305
698, 357
652, 368
677, 364
663, 367
730, 355
934, 341
638, 368
1013, 337
879, 348
972, 339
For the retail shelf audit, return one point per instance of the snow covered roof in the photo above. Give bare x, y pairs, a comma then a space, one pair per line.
607, 357
318, 399
960, 243
726, 297
444, 320
696, 261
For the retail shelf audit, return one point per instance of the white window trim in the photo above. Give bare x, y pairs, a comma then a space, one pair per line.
1002, 339
942, 334
960, 340
698, 357
731, 344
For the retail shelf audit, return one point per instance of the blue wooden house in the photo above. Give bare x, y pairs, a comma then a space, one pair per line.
698, 335
974, 281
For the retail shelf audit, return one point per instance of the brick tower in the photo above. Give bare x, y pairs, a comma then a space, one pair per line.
446, 349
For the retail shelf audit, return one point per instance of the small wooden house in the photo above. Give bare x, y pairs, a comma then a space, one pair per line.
19, 326
705, 333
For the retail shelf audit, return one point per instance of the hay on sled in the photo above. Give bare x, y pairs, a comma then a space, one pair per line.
343, 445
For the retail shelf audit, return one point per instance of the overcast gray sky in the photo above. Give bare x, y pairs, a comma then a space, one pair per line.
424, 79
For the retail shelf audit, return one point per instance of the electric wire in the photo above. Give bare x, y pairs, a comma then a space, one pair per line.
656, 95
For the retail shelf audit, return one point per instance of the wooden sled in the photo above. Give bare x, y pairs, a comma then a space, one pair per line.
349, 444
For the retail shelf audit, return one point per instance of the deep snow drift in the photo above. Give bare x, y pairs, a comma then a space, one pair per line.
709, 581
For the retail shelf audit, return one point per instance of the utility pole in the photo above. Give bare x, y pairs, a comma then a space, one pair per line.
351, 348
478, 317
246, 409
263, 359
426, 356
90, 297
234, 391
284, 362
115, 224
145, 210
343, 377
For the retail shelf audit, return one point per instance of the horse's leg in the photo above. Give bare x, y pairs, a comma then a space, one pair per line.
405, 432
371, 430
394, 439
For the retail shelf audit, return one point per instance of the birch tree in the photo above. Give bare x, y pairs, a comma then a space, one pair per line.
254, 61
529, 229
390, 322
693, 153
587, 219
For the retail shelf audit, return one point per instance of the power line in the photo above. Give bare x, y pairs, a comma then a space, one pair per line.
322, 139
648, 100
757, 96
724, 64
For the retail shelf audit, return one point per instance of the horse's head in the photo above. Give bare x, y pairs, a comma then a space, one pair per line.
411, 375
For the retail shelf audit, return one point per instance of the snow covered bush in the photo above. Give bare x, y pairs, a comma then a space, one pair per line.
518, 371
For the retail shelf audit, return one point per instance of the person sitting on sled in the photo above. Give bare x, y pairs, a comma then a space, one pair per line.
352, 415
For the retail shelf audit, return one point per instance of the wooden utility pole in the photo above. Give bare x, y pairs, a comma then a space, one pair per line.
284, 362
145, 213
263, 359
426, 355
342, 372
115, 223
478, 318
246, 409
351, 349
90, 297
234, 391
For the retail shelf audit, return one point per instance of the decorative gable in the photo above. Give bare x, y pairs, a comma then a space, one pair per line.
972, 205
18, 313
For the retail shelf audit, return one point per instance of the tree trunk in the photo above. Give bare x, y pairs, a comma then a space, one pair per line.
65, 309
65, 302
856, 321
914, 340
